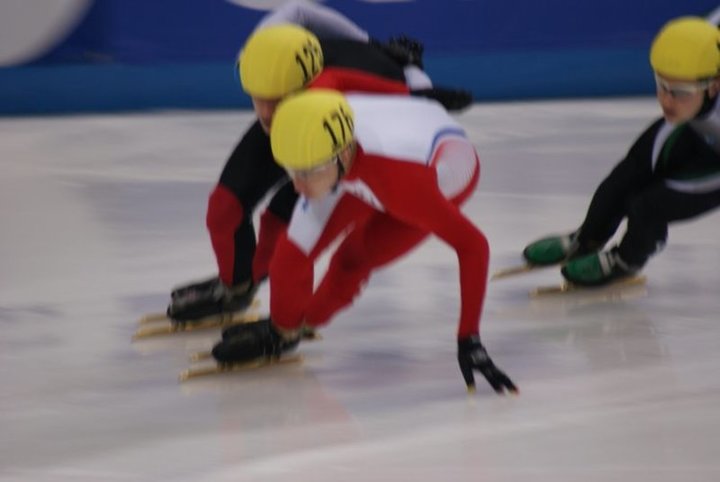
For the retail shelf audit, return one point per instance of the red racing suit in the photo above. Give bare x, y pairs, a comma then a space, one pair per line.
412, 170
251, 172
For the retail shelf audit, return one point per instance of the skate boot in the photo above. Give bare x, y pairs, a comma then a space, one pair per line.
181, 291
252, 341
306, 333
214, 298
552, 250
597, 269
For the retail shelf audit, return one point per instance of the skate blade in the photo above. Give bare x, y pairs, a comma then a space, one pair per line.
156, 317
311, 336
566, 287
170, 327
207, 355
200, 356
152, 318
237, 367
517, 270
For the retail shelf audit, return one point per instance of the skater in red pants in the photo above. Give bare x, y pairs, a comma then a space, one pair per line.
386, 171
301, 45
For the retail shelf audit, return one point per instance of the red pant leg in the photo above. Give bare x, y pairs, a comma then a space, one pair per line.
292, 266
368, 247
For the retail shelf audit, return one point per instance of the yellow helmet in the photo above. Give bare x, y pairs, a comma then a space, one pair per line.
310, 128
278, 60
687, 48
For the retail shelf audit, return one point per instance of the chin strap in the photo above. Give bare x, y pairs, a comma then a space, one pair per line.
340, 174
708, 104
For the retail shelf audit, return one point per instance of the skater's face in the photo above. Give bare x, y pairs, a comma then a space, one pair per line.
319, 181
682, 99
316, 182
265, 110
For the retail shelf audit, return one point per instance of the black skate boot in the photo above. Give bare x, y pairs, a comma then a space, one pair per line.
214, 299
193, 289
306, 333
180, 292
251, 341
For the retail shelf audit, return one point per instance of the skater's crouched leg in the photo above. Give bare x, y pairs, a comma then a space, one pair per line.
647, 227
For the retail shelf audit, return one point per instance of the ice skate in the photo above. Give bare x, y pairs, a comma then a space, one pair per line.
612, 289
517, 270
159, 324
252, 345
204, 305
305, 333
211, 298
254, 340
181, 291
604, 271
597, 269
218, 368
546, 253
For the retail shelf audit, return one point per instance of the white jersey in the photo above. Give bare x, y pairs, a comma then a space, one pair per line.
400, 130
400, 127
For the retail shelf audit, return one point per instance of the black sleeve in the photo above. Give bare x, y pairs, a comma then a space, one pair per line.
251, 170
360, 56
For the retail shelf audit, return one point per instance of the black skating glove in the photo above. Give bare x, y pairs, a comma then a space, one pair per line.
251, 341
473, 356
452, 99
402, 49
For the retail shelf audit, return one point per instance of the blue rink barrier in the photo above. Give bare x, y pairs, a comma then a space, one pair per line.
122, 55
490, 76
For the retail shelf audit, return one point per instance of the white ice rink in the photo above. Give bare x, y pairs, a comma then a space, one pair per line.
100, 216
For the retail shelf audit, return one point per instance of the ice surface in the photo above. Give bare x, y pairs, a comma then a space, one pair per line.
102, 215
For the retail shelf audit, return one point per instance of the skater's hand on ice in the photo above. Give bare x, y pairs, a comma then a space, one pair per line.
473, 356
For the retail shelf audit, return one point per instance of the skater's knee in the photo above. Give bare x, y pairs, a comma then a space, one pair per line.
647, 209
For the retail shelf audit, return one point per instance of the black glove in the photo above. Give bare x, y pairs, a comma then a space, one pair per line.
472, 356
252, 341
402, 49
451, 99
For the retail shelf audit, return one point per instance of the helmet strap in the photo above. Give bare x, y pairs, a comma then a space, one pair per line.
340, 173
341, 167
708, 104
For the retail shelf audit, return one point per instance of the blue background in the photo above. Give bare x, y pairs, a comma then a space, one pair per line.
140, 54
